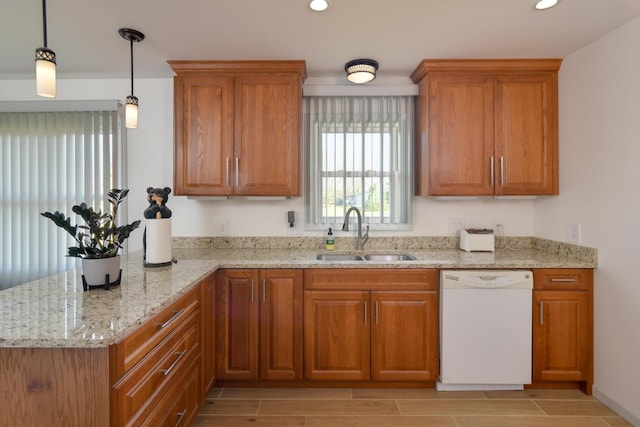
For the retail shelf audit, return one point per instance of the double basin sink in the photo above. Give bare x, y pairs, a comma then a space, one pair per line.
386, 257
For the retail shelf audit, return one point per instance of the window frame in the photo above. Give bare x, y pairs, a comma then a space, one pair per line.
315, 218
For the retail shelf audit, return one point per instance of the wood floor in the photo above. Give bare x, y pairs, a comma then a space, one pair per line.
234, 407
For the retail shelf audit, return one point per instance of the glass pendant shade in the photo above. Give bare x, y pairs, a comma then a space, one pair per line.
45, 73
131, 109
131, 112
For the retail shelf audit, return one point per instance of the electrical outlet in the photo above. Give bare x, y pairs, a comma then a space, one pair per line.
455, 224
223, 227
574, 234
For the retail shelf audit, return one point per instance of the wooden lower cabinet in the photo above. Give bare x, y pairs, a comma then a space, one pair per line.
386, 335
259, 324
404, 335
563, 327
337, 335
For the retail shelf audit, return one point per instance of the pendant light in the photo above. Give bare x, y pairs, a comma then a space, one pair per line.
131, 109
361, 70
45, 63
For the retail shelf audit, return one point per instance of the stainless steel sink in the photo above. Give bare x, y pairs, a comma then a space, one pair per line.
389, 257
339, 257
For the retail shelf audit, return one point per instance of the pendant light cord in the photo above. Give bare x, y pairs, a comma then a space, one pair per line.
131, 42
44, 20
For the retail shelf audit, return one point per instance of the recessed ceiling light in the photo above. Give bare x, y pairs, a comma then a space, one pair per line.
319, 5
546, 4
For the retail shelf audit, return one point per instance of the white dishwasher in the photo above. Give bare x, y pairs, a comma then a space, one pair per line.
485, 329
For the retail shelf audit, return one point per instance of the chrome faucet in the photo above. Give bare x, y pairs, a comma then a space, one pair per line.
361, 239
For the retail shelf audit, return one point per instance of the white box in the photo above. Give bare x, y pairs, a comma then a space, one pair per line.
474, 239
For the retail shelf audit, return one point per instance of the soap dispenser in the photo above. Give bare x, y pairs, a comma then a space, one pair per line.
330, 245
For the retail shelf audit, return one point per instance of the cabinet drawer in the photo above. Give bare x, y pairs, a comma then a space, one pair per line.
563, 279
138, 391
180, 405
136, 345
365, 279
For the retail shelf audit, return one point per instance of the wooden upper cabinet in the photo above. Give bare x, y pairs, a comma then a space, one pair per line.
203, 134
487, 127
238, 127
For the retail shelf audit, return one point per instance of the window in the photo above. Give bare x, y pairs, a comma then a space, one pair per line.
51, 161
359, 156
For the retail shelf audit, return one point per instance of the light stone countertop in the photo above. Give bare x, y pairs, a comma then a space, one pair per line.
56, 312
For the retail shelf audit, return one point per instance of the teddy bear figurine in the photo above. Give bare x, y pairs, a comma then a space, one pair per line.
157, 198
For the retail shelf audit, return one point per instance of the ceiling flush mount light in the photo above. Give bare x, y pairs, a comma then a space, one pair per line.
319, 5
131, 109
45, 63
361, 70
546, 4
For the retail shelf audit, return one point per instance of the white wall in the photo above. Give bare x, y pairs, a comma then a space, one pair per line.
150, 163
600, 172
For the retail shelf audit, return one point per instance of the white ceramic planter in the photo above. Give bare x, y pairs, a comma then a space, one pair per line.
95, 270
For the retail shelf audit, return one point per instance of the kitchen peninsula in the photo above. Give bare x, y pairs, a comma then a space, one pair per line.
66, 354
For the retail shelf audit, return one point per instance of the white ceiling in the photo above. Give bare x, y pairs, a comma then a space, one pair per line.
397, 33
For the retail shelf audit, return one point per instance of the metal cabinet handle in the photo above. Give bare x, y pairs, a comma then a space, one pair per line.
173, 365
251, 290
541, 313
174, 317
376, 312
227, 175
237, 163
563, 280
365, 312
264, 290
492, 172
502, 171
180, 416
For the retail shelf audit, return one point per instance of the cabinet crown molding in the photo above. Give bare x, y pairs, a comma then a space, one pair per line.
485, 66
247, 66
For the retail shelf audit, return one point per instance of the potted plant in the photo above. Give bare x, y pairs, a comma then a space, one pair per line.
98, 240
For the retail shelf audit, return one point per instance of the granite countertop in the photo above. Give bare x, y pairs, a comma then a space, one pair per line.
56, 312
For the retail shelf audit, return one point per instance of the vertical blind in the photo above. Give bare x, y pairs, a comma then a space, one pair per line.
359, 156
51, 161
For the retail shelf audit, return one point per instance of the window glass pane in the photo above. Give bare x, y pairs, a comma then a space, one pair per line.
359, 156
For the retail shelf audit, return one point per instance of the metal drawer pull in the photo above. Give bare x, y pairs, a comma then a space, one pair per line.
175, 362
180, 417
237, 162
177, 313
365, 312
563, 280
541, 314
492, 175
376, 312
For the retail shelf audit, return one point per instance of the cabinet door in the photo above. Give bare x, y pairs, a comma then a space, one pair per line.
237, 324
203, 108
404, 336
526, 134
561, 332
336, 335
281, 324
267, 135
461, 134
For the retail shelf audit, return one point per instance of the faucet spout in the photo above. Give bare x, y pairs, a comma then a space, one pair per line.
360, 239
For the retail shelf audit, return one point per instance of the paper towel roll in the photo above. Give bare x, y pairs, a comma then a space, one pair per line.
158, 241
